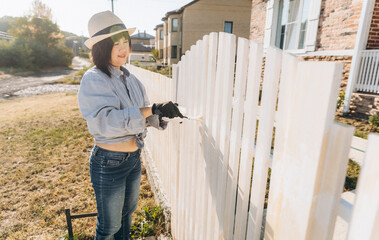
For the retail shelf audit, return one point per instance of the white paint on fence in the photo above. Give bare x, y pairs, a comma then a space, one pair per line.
206, 166
366, 209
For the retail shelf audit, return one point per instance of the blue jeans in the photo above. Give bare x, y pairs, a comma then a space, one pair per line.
116, 178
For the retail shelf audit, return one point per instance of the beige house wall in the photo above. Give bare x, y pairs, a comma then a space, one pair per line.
175, 37
159, 42
208, 16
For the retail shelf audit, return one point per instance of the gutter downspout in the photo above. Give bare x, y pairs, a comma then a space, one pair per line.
360, 44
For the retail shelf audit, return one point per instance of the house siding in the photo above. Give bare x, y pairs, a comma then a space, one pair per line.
208, 16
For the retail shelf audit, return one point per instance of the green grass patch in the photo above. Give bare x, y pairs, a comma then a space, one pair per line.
73, 79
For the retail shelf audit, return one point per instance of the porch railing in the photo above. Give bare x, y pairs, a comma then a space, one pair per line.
368, 79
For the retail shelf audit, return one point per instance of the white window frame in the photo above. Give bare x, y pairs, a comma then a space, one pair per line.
272, 11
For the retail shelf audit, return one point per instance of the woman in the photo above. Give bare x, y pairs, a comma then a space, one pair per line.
116, 108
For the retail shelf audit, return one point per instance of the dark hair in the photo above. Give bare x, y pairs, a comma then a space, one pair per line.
101, 51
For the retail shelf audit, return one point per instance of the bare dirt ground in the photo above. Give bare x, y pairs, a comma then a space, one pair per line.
9, 84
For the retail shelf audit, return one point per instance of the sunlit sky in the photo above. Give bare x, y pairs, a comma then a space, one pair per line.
73, 15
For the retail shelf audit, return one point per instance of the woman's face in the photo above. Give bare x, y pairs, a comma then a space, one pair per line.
119, 52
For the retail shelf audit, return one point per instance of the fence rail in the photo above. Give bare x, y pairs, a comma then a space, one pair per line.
215, 171
368, 79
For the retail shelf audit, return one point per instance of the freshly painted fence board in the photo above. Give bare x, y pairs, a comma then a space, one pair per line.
311, 114
365, 218
209, 140
264, 138
225, 72
235, 135
279, 167
248, 138
332, 178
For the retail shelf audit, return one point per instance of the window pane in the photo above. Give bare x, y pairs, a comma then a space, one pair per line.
174, 52
161, 35
304, 23
294, 12
281, 24
228, 27
174, 25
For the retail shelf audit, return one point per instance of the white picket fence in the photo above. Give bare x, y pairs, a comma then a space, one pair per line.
214, 171
368, 79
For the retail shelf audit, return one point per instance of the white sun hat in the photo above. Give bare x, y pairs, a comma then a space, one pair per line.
103, 25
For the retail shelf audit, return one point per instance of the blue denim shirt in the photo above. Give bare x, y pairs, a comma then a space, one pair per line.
111, 106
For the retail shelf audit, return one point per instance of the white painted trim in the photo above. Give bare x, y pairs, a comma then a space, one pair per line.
329, 53
360, 44
271, 25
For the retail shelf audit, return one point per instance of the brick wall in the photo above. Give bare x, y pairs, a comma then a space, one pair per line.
373, 37
258, 20
338, 24
364, 103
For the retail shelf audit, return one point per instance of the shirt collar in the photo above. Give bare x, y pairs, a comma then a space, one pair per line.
117, 72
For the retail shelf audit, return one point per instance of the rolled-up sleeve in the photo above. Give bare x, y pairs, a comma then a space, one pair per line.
152, 120
101, 108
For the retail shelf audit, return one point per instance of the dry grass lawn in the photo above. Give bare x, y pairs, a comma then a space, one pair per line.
44, 150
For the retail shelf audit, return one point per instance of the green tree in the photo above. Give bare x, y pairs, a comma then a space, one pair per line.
155, 53
40, 10
36, 39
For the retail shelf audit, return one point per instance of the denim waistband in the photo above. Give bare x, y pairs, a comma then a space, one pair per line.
108, 153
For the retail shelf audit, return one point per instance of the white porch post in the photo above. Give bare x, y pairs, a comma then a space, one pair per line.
360, 44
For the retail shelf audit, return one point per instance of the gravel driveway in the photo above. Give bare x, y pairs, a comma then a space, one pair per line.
13, 86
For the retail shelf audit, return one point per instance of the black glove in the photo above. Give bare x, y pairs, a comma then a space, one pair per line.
167, 109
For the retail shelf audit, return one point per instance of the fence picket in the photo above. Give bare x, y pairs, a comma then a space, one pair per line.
366, 209
225, 72
332, 178
209, 143
279, 167
248, 138
311, 117
264, 139
204, 186
235, 135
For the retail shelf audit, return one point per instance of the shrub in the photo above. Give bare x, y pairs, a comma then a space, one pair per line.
16, 55
341, 98
374, 122
151, 223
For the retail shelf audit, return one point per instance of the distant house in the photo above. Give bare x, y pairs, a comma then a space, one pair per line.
184, 26
143, 38
159, 40
139, 48
327, 30
5, 35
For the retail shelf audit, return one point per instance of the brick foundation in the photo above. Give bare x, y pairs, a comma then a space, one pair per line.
364, 103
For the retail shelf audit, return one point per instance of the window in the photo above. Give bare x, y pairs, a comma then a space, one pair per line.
292, 24
161, 53
174, 27
161, 34
174, 52
228, 27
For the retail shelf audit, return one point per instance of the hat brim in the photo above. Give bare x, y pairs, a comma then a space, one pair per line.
92, 41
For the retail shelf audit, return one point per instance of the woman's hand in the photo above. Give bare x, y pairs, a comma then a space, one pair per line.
167, 109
